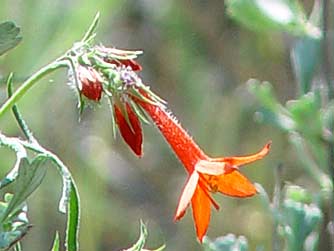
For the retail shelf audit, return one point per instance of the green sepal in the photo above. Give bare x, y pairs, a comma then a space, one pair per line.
139, 112
113, 117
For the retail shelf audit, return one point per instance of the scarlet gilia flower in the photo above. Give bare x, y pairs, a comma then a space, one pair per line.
91, 83
131, 101
206, 175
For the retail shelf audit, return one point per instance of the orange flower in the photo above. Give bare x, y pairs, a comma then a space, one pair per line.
215, 175
207, 175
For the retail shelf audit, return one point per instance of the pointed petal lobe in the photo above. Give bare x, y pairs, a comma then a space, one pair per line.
187, 194
201, 212
243, 160
233, 184
132, 134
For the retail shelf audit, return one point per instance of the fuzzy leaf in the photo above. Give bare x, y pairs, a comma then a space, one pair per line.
226, 243
272, 15
301, 220
305, 111
305, 56
16, 146
272, 112
9, 36
13, 229
30, 176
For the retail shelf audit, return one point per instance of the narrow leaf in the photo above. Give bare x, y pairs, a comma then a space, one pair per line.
73, 219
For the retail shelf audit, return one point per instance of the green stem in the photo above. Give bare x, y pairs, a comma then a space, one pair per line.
19, 93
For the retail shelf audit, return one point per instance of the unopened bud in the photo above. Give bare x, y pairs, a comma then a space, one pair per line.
91, 83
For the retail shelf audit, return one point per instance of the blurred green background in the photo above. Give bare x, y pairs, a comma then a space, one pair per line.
196, 58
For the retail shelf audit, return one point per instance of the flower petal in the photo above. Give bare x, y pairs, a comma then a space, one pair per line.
213, 167
187, 194
132, 134
234, 184
243, 160
201, 212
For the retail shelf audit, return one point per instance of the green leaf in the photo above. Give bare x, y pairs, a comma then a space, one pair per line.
308, 162
16, 146
30, 176
9, 36
305, 56
301, 221
73, 219
272, 15
55, 246
297, 194
14, 228
226, 243
272, 112
305, 111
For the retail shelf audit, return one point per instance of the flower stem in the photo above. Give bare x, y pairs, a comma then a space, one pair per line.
19, 93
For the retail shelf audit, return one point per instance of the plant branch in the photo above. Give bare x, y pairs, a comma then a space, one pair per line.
22, 124
19, 93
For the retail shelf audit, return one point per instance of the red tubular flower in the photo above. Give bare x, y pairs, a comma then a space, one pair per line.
130, 128
206, 175
91, 83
